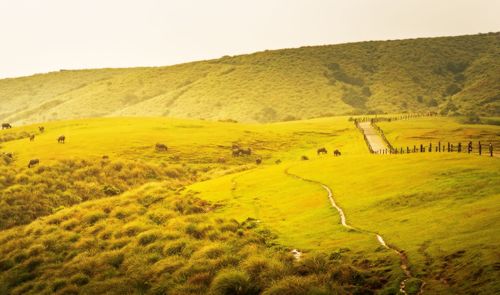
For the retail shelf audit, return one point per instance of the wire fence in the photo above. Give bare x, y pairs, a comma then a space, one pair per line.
439, 147
480, 149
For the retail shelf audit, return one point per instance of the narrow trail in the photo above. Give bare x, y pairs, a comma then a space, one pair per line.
404, 263
374, 139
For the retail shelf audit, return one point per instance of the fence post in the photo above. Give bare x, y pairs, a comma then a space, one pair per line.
459, 147
491, 150
480, 148
448, 147
439, 144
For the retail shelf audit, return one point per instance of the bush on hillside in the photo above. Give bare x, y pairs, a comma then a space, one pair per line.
471, 118
452, 90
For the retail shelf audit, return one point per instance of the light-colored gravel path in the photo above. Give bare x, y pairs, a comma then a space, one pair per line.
374, 138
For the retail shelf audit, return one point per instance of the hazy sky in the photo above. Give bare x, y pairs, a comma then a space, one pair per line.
46, 35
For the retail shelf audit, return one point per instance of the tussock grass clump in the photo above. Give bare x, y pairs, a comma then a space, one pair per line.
233, 282
28, 194
93, 249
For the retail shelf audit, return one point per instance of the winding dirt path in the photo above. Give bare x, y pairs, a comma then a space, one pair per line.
404, 264
374, 139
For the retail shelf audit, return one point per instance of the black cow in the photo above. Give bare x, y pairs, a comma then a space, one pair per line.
41, 129
322, 151
61, 139
337, 153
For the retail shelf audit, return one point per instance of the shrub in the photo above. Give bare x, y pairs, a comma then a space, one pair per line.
471, 118
233, 282
110, 190
313, 264
114, 258
432, 102
94, 216
58, 284
80, 279
452, 90
174, 248
293, 286
148, 237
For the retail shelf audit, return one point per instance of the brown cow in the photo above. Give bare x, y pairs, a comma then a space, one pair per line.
6, 126
33, 162
41, 129
61, 139
258, 161
160, 147
337, 153
32, 137
247, 152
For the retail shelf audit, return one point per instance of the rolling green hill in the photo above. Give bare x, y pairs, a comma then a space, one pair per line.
452, 75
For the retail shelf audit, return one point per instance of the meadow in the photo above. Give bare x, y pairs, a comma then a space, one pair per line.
196, 220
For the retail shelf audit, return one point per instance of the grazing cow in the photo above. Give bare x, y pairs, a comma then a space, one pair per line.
33, 162
304, 158
41, 129
278, 161
241, 152
6, 126
258, 161
61, 139
105, 157
322, 151
160, 147
247, 152
337, 153
221, 160
32, 137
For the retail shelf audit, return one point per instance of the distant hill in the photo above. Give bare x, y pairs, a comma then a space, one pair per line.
453, 75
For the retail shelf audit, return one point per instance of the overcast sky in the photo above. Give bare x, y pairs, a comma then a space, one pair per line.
46, 35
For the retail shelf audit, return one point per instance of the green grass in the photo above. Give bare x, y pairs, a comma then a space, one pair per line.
193, 225
442, 129
455, 75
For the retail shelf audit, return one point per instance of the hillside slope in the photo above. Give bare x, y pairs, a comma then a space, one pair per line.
449, 74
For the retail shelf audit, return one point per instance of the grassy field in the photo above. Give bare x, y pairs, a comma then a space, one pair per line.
185, 222
453, 75
432, 130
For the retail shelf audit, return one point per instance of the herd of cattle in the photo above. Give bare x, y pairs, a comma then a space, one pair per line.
237, 151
